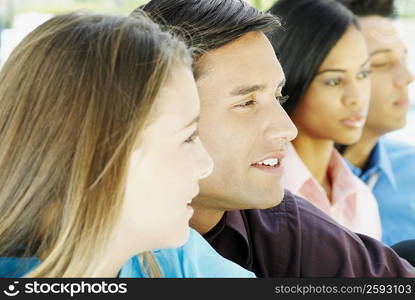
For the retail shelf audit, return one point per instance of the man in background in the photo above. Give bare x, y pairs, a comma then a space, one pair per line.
386, 165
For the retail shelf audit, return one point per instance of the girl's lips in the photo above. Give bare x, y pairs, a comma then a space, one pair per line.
190, 210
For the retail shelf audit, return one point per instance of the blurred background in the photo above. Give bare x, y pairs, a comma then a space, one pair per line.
19, 17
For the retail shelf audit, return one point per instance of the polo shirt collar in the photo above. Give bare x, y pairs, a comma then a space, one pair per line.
233, 220
379, 160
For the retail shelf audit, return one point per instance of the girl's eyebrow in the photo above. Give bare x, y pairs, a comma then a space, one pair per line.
366, 61
195, 120
342, 70
331, 70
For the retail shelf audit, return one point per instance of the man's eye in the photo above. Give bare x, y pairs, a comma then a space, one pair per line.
379, 65
246, 104
282, 99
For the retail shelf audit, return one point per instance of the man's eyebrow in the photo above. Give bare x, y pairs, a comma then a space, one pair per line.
195, 120
405, 52
244, 90
379, 51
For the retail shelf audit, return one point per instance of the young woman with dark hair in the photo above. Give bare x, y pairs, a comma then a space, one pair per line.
325, 60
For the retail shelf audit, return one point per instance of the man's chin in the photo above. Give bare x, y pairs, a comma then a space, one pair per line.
248, 198
268, 200
270, 204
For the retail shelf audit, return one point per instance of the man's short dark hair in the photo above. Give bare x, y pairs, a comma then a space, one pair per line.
363, 8
209, 24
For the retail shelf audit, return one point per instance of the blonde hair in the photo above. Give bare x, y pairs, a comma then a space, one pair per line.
74, 96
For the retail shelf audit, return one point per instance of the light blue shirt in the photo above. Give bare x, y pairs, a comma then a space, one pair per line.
194, 259
391, 174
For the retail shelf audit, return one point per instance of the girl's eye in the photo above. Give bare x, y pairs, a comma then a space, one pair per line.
246, 104
333, 82
282, 99
363, 74
192, 138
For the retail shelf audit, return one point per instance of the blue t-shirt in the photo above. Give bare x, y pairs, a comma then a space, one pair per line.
390, 173
194, 259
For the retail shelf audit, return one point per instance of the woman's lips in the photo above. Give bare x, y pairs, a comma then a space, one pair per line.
190, 210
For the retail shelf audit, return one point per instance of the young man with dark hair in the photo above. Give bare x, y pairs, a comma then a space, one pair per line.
386, 165
242, 209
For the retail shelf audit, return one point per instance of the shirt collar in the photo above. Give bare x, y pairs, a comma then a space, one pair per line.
232, 220
235, 221
379, 159
357, 171
295, 173
341, 176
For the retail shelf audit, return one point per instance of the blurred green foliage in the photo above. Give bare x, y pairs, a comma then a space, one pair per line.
59, 6
261, 4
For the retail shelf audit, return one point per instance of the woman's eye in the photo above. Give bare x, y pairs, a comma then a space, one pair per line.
333, 82
363, 74
282, 99
192, 138
246, 104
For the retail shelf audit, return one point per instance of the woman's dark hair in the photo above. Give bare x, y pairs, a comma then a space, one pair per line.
207, 25
310, 30
363, 8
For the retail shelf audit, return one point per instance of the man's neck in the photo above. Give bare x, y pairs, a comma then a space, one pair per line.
358, 154
204, 219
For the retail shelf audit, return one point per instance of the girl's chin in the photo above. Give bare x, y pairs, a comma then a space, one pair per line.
347, 142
